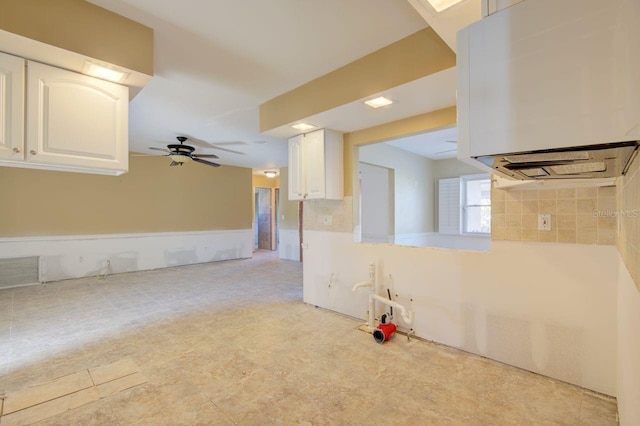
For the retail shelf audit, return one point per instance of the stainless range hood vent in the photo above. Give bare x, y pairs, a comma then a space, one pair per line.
548, 156
584, 162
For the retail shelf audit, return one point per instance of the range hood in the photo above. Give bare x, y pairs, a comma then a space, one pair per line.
594, 161
549, 89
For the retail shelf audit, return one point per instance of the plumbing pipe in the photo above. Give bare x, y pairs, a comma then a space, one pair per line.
372, 278
363, 284
384, 332
407, 316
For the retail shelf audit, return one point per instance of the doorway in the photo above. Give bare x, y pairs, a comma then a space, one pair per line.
265, 224
377, 204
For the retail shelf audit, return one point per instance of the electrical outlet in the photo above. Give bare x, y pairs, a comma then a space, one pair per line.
544, 222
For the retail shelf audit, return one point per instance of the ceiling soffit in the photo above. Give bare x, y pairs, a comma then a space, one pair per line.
418, 55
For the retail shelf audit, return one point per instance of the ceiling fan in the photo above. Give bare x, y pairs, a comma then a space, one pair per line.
181, 153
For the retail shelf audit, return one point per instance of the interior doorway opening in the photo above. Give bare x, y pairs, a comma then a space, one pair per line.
265, 218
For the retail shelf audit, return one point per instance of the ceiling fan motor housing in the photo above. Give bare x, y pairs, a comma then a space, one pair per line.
181, 149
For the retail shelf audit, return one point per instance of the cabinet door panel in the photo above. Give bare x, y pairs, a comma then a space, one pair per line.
315, 162
11, 107
296, 184
75, 120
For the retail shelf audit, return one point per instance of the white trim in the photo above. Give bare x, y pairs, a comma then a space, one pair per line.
75, 256
112, 236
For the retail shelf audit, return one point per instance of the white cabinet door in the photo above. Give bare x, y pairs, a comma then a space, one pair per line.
11, 107
314, 154
316, 166
76, 121
296, 179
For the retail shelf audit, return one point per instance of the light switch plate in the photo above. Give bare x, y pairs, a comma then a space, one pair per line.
544, 222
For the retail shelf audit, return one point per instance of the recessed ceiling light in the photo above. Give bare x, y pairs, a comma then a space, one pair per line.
303, 126
104, 72
378, 102
440, 5
271, 173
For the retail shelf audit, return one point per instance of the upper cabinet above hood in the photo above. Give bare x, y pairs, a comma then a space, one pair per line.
549, 75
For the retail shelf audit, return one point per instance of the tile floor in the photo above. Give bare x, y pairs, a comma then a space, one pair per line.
232, 343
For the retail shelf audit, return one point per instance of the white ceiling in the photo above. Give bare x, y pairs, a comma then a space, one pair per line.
216, 61
437, 145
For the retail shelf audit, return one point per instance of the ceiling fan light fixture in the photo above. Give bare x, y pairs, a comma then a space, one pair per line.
180, 158
378, 102
271, 173
303, 126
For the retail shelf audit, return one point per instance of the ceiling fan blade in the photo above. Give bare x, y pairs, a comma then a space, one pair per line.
226, 149
197, 142
443, 152
455, 142
204, 144
159, 149
208, 163
229, 143
204, 156
175, 163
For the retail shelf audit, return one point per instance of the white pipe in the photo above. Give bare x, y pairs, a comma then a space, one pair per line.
373, 283
371, 321
407, 316
362, 284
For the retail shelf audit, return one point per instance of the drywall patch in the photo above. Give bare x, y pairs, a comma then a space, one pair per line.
123, 262
18, 271
180, 257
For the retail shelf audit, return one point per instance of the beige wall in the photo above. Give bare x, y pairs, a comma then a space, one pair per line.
413, 191
262, 181
409, 126
152, 197
628, 211
418, 55
81, 27
628, 196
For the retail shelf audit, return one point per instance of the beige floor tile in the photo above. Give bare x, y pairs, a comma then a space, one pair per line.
37, 413
97, 413
120, 384
83, 397
113, 371
232, 342
28, 397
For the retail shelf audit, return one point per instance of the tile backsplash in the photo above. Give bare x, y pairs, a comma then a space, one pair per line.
629, 215
339, 213
582, 215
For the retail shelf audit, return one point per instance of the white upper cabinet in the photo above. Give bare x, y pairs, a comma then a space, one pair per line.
316, 166
73, 122
11, 107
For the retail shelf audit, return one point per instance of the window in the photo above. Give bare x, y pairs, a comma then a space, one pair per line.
464, 205
476, 210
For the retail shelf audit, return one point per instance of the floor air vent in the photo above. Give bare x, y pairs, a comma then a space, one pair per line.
18, 271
